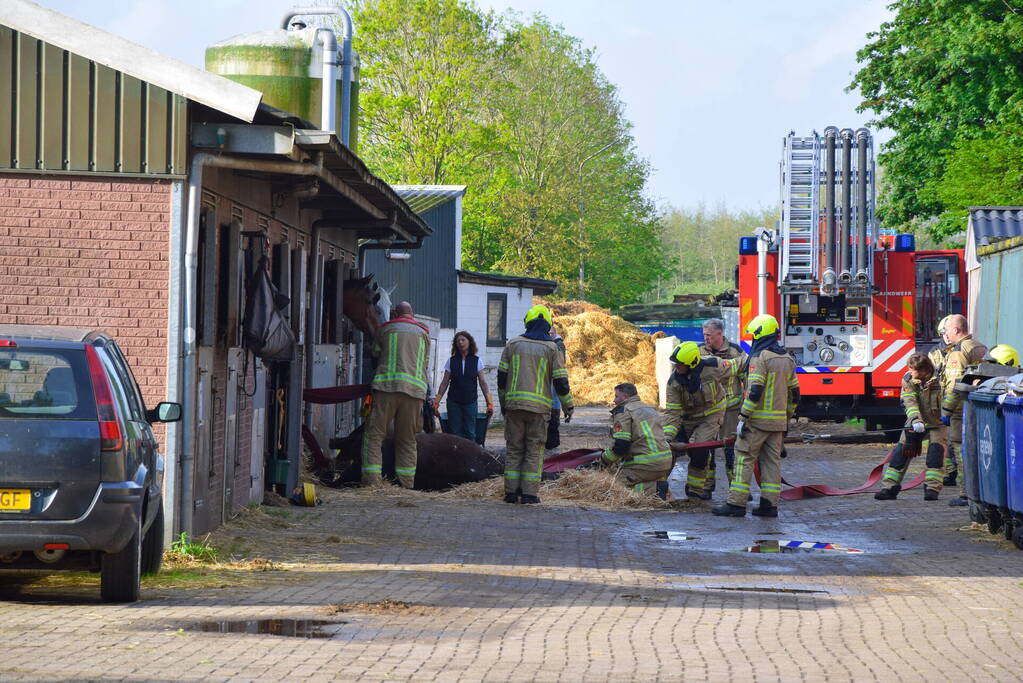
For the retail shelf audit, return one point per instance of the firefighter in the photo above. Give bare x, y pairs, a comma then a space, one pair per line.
530, 365
961, 351
696, 401
921, 399
771, 399
640, 450
399, 388
715, 344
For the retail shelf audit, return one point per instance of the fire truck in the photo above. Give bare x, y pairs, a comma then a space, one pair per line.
854, 301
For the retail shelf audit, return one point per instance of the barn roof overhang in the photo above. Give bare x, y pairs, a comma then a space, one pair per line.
130, 58
325, 174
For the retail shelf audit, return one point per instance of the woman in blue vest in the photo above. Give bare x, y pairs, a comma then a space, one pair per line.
463, 372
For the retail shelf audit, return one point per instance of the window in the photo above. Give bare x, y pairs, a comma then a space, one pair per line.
497, 319
45, 384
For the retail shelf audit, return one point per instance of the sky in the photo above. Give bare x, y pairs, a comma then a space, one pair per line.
711, 87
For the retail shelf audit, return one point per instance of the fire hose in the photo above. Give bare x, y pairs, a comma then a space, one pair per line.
584, 456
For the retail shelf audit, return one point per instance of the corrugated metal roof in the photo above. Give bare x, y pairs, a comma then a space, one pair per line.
130, 58
992, 223
425, 197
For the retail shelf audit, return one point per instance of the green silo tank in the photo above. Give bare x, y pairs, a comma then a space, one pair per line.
285, 65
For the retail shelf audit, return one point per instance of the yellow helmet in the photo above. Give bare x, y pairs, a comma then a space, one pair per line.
686, 353
1003, 354
538, 311
941, 325
763, 325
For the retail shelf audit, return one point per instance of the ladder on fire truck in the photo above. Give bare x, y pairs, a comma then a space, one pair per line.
800, 204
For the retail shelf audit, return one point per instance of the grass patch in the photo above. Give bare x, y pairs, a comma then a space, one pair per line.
185, 549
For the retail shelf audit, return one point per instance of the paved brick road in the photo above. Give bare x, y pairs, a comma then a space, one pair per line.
511, 593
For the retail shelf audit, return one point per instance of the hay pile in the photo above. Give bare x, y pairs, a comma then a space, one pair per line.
604, 350
592, 488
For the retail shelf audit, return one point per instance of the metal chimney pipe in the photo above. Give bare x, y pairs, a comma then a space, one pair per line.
862, 140
828, 287
347, 60
845, 227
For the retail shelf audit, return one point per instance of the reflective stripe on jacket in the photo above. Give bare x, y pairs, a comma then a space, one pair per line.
403, 348
531, 366
711, 398
776, 373
640, 425
958, 357
921, 400
733, 352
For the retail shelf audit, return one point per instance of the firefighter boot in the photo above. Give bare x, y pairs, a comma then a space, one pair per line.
529, 500
890, 493
930, 494
766, 509
511, 497
950, 478
729, 510
699, 494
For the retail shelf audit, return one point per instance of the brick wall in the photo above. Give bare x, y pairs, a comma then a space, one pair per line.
90, 253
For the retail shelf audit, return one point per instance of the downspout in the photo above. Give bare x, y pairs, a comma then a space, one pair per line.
828, 287
347, 62
862, 139
200, 162
328, 89
845, 228
763, 242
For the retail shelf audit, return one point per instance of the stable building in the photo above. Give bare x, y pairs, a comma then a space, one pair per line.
138, 195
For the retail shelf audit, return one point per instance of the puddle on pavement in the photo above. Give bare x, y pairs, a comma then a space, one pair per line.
671, 536
765, 589
771, 545
289, 628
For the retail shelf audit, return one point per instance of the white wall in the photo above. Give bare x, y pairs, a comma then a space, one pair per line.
472, 317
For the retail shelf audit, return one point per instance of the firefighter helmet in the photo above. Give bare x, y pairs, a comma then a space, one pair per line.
538, 311
1003, 354
687, 354
941, 325
763, 325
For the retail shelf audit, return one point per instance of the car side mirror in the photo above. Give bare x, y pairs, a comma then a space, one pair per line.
164, 412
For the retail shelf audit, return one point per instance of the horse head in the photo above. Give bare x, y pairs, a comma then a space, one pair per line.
361, 304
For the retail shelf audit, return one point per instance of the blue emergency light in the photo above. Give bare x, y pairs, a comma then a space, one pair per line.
905, 242
748, 245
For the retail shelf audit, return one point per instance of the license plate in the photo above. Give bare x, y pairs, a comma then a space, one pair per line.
16, 500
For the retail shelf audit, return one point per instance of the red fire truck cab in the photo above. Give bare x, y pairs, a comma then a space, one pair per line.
854, 303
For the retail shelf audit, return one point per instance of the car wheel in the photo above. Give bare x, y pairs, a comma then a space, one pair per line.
152, 546
121, 572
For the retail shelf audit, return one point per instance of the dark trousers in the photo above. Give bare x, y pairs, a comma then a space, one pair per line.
462, 420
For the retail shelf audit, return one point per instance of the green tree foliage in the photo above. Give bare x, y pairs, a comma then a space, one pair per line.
985, 171
939, 74
513, 109
705, 243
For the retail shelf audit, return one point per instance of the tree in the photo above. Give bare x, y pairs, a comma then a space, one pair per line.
937, 75
705, 243
510, 108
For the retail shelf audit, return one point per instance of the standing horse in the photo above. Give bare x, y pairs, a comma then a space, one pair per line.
366, 306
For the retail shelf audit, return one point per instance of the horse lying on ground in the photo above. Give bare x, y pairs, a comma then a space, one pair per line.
444, 460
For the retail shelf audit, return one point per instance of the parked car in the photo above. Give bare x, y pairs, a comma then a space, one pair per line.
81, 475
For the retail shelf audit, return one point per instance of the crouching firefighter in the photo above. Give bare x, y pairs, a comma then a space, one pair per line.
640, 450
921, 399
770, 402
697, 398
530, 365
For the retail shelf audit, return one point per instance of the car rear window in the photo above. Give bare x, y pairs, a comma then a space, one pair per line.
47, 384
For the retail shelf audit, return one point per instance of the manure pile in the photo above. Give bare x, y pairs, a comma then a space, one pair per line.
604, 350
